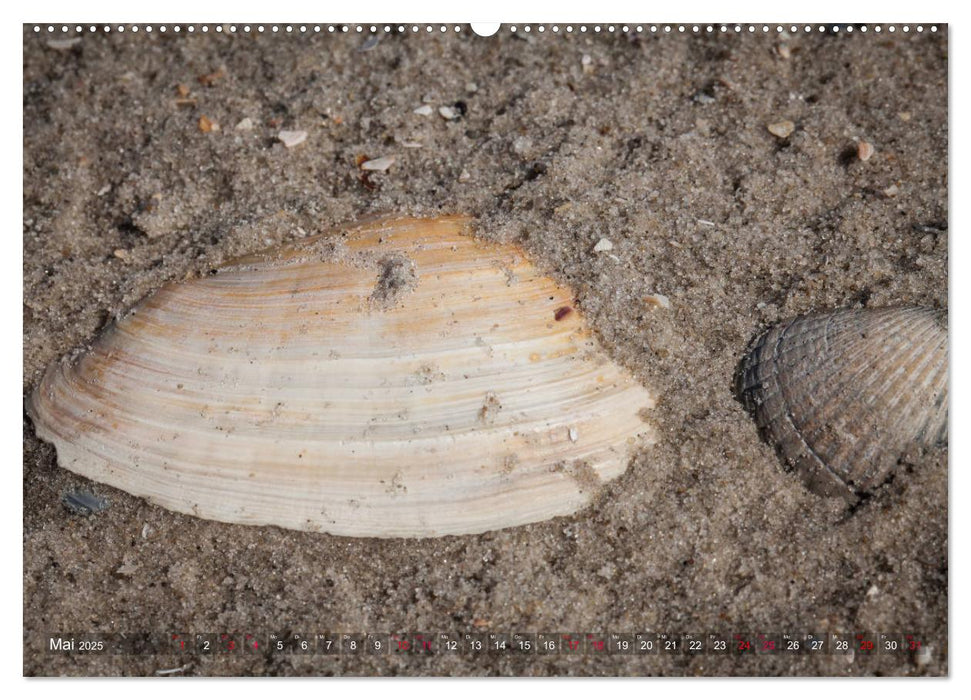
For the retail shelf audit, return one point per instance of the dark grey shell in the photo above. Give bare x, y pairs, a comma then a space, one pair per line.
844, 395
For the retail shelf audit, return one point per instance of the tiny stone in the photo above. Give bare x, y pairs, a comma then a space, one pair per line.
207, 125
63, 44
245, 124
291, 139
603, 245
781, 129
448, 113
904, 116
471, 87
82, 502
703, 98
784, 50
864, 150
424, 110
465, 176
574, 435
891, 191
657, 301
924, 655
127, 569
104, 190
587, 63
121, 254
370, 42
410, 144
378, 164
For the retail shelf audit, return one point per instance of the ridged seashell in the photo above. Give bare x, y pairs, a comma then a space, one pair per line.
398, 378
844, 395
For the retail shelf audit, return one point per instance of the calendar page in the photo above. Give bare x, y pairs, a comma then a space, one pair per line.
449, 349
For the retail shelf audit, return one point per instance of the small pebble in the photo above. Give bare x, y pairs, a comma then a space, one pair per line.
127, 569
370, 42
904, 116
464, 176
211, 79
864, 150
122, 254
104, 190
782, 129
292, 139
784, 50
63, 44
603, 245
891, 191
471, 87
657, 301
924, 655
378, 164
207, 125
587, 63
245, 124
448, 113
574, 435
81, 502
424, 110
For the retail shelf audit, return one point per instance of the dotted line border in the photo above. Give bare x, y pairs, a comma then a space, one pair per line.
567, 29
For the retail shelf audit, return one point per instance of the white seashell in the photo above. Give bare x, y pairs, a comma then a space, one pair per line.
845, 395
394, 379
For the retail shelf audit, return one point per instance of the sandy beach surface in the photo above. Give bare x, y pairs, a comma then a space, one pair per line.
152, 157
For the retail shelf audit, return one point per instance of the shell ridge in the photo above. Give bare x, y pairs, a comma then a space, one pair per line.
811, 389
807, 449
841, 394
274, 393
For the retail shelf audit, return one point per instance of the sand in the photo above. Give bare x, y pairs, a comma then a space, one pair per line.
148, 158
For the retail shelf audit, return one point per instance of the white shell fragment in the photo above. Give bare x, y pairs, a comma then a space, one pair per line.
292, 139
845, 395
378, 164
394, 379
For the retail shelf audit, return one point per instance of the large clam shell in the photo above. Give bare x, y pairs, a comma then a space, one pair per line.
398, 378
845, 395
